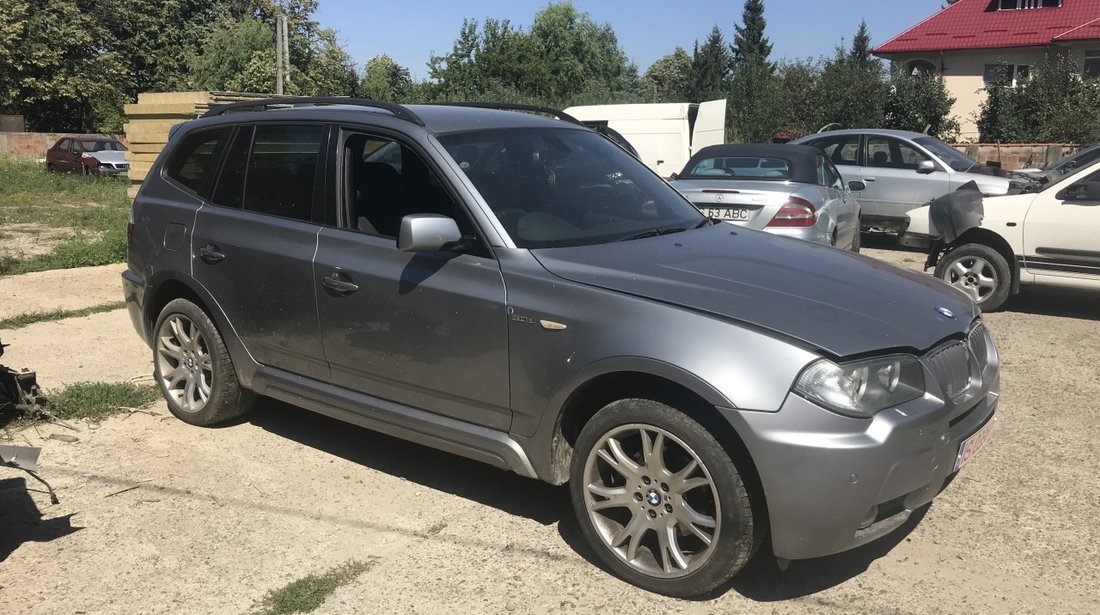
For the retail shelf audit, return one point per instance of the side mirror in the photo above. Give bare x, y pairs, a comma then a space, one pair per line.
925, 167
427, 233
674, 176
857, 186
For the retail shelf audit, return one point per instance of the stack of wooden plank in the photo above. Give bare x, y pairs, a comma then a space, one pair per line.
154, 114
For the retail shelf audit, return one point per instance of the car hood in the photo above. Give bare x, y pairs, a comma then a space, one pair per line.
111, 156
842, 303
988, 184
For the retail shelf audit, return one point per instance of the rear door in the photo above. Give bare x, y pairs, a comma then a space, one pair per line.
840, 201
710, 125
1061, 230
893, 185
254, 241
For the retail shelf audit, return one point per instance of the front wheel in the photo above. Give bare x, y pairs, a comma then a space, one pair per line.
980, 272
193, 367
659, 500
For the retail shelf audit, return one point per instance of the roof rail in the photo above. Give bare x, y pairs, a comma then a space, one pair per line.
398, 111
561, 115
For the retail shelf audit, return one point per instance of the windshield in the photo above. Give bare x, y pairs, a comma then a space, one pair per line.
102, 146
946, 153
564, 187
748, 167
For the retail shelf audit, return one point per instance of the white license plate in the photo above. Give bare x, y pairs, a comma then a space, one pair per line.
726, 213
971, 445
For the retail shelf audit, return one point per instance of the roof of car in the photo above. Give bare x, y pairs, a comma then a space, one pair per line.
904, 134
802, 158
439, 119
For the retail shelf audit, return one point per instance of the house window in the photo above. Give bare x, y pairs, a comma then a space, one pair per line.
921, 67
1012, 5
1092, 64
1010, 75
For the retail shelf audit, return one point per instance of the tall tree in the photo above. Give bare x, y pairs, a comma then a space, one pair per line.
710, 65
749, 41
861, 45
385, 79
920, 102
669, 78
854, 89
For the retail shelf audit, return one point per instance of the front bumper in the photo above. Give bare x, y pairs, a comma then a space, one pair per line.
833, 483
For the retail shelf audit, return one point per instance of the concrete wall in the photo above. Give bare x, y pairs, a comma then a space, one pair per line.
1013, 156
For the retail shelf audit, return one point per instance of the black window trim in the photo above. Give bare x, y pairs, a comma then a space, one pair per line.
338, 199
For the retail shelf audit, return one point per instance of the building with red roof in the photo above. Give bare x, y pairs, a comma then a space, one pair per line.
977, 43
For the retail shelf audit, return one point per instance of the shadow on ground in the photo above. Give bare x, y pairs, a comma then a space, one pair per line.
21, 521
1053, 301
761, 580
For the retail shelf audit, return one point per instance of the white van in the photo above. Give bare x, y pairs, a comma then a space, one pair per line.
665, 134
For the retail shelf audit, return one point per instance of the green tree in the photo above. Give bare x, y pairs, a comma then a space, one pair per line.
853, 88
752, 91
228, 61
669, 78
710, 66
920, 102
861, 45
1055, 104
796, 105
576, 52
385, 79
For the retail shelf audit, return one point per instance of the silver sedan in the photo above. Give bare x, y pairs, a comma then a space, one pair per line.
788, 190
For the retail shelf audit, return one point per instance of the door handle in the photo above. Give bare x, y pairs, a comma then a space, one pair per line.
334, 283
869, 179
211, 254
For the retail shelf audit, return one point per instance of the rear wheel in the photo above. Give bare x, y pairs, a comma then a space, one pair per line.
857, 241
193, 367
659, 500
980, 272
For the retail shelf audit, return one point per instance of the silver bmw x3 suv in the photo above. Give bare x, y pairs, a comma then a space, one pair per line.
519, 290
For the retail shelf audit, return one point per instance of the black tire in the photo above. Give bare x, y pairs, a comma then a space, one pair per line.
51, 169
984, 260
205, 364
721, 498
857, 242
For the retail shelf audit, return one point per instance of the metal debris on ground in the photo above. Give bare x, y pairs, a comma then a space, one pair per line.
19, 395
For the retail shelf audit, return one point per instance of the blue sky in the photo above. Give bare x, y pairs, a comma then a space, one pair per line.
647, 29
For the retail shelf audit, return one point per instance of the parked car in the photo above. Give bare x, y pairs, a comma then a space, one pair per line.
902, 171
1082, 158
524, 292
1044, 238
790, 190
88, 154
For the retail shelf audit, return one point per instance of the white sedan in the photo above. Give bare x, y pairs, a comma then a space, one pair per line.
1047, 237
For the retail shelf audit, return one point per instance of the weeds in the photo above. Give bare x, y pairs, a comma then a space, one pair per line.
98, 400
30, 318
308, 593
96, 208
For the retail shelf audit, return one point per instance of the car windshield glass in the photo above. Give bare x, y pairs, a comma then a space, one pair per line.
749, 167
102, 146
946, 153
1078, 160
564, 187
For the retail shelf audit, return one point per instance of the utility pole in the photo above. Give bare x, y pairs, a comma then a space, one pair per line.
282, 54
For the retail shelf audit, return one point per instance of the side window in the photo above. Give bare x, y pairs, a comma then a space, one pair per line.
74, 147
230, 190
886, 152
386, 180
832, 176
841, 149
193, 161
821, 178
63, 146
282, 171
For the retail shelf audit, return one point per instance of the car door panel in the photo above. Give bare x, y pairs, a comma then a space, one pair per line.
426, 330
893, 185
1060, 236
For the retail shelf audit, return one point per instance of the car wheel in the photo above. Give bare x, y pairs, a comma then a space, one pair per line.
857, 241
659, 500
51, 169
980, 272
193, 367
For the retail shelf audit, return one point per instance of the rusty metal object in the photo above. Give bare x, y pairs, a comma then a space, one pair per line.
19, 395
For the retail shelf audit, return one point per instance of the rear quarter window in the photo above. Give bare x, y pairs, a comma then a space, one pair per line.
193, 162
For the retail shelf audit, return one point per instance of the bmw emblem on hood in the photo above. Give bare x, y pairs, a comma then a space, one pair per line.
946, 313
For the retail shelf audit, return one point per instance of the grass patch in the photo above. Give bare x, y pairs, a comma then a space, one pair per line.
22, 320
98, 400
308, 593
96, 208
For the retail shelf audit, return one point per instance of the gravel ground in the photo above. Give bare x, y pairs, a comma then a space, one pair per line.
160, 517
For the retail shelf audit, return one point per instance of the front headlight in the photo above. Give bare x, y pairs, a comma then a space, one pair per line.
862, 388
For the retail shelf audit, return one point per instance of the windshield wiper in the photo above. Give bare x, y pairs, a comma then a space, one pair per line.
655, 232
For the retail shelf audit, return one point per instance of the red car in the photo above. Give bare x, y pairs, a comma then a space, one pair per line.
90, 155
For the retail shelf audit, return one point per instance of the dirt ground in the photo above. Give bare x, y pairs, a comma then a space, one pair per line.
159, 517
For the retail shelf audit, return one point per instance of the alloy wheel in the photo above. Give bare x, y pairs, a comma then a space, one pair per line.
184, 363
652, 501
973, 275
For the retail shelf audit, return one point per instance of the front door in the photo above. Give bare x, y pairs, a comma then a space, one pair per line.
893, 184
253, 247
1062, 231
427, 330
